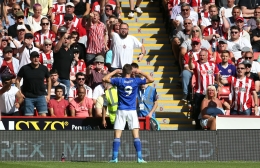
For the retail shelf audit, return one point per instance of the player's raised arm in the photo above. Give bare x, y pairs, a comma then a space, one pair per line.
108, 76
149, 79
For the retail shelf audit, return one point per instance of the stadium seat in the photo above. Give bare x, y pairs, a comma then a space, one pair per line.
256, 55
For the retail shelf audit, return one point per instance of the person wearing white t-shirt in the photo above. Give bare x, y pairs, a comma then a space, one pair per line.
185, 13
236, 43
123, 47
228, 9
255, 66
98, 98
10, 97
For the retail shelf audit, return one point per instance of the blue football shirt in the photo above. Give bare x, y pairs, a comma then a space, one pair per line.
127, 91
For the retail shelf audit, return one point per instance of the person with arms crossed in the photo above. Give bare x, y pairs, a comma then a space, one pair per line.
127, 88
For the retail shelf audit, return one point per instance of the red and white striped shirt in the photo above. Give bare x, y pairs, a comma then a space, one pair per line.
46, 59
209, 31
74, 92
59, 20
58, 8
197, 3
96, 38
39, 37
195, 57
241, 91
205, 75
80, 67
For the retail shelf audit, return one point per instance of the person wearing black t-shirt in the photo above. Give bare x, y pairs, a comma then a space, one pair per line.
63, 57
248, 6
82, 7
256, 37
33, 88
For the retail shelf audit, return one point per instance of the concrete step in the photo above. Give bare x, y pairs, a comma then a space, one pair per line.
126, 9
172, 114
146, 25
169, 91
142, 5
163, 74
174, 120
138, 35
143, 20
172, 108
172, 102
179, 127
154, 52
155, 62
143, 15
157, 46
147, 30
154, 40
149, 68
163, 85
166, 80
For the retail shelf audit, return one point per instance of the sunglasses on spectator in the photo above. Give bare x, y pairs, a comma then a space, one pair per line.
45, 24
8, 52
47, 44
195, 31
234, 32
15, 9
195, 43
240, 68
108, 9
69, 6
185, 10
248, 57
99, 62
188, 23
20, 17
81, 78
68, 20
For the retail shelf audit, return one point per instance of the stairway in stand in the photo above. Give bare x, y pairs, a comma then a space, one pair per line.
149, 28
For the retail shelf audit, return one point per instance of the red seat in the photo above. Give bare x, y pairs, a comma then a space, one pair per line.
256, 55
223, 92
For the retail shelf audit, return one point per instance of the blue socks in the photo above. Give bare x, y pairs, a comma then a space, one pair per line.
138, 147
116, 145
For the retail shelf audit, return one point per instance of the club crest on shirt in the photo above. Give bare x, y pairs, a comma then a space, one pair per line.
210, 72
124, 46
229, 70
203, 72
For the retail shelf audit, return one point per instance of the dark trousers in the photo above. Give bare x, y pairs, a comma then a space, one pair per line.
197, 105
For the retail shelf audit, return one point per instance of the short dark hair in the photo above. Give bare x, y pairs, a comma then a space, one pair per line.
249, 52
80, 74
235, 7
234, 27
74, 33
225, 52
53, 71
58, 87
44, 19
127, 69
124, 24
135, 65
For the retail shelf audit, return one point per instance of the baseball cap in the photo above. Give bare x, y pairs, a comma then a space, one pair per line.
246, 62
28, 35
19, 13
7, 49
21, 27
75, 49
68, 16
62, 29
47, 41
6, 74
245, 49
70, 4
240, 18
99, 58
34, 54
206, 1
195, 39
222, 40
215, 18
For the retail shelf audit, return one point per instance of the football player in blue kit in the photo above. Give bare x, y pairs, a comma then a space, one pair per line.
127, 88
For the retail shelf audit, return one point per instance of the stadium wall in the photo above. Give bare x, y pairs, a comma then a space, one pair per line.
96, 145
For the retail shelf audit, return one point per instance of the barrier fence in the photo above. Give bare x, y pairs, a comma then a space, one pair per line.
221, 145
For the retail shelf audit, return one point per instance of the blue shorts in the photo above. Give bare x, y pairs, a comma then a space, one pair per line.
39, 103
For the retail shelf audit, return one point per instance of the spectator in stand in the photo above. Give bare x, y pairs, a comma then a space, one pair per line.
9, 61
81, 106
10, 96
6, 8
241, 90
97, 37
147, 101
82, 7
243, 53
251, 75
80, 82
227, 8
256, 36
4, 43
255, 68
54, 82
248, 7
108, 13
17, 42
46, 56
98, 98
211, 106
205, 73
96, 72
58, 8
63, 57
43, 34
185, 13
135, 8
251, 23
223, 3
236, 12
12, 30
240, 24
26, 49
114, 3
75, 43
11, 16
236, 43
179, 38
222, 46
46, 6
123, 47
33, 88
34, 20
76, 66
68, 23
58, 106
176, 10
226, 69
215, 31
204, 15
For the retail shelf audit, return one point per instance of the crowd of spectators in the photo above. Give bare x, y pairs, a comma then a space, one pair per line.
217, 43
54, 56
